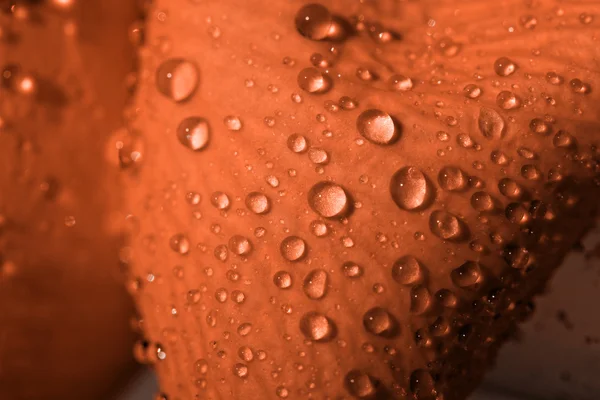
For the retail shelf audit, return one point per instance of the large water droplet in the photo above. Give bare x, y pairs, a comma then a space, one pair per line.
504, 66
177, 79
314, 21
508, 100
510, 188
312, 80
293, 248
420, 299
297, 143
407, 270
194, 133
317, 327
315, 284
360, 385
380, 322
410, 189
328, 200
482, 202
446, 226
240, 245
467, 275
377, 127
491, 124
258, 203
282, 279
452, 179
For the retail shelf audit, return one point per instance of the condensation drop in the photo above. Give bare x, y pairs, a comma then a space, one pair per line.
410, 189
504, 66
314, 81
380, 322
194, 133
317, 327
328, 200
452, 179
177, 79
407, 271
314, 21
467, 275
293, 248
377, 127
258, 203
446, 226
315, 284
491, 124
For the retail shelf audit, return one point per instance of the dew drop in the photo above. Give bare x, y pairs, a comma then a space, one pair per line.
472, 91
446, 226
328, 200
317, 327
380, 322
220, 200
504, 66
420, 299
509, 188
452, 179
177, 79
314, 21
319, 228
580, 87
240, 245
377, 126
407, 271
232, 123
410, 189
508, 100
563, 139
360, 385
282, 279
194, 133
293, 248
258, 203
352, 270
315, 284
491, 124
401, 83
467, 275
297, 143
554, 79
179, 243
314, 81
482, 202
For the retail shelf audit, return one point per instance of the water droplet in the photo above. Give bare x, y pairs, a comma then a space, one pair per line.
446, 298
318, 228
504, 66
448, 47
563, 139
410, 189
328, 200
499, 157
240, 245
472, 91
538, 125
177, 79
528, 21
258, 203
516, 257
380, 322
315, 284
240, 370
232, 123
420, 299
293, 248
508, 100
179, 243
312, 80
452, 179
377, 127
297, 143
422, 385
347, 103
482, 202
282, 279
194, 133
352, 269
407, 271
530, 172
467, 275
360, 385
491, 124
509, 188
318, 156
580, 87
317, 327
446, 226
401, 83
554, 79
517, 213
220, 200
314, 21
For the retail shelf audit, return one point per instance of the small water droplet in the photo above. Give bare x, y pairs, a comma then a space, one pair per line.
467, 275
258, 203
314, 81
179, 243
472, 91
360, 385
401, 83
482, 202
352, 270
509, 188
297, 143
240, 245
282, 279
508, 100
232, 123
